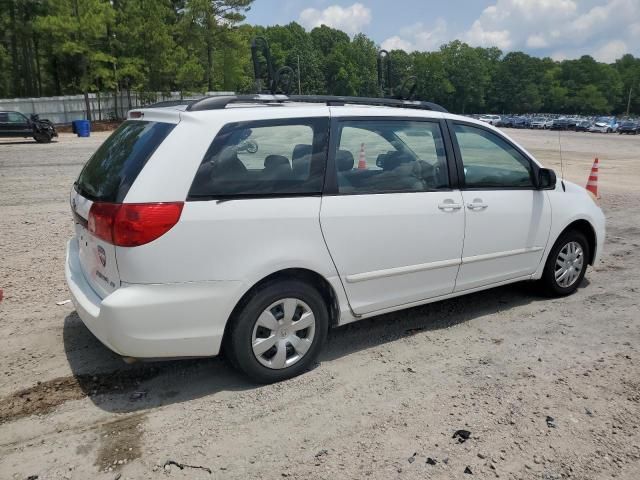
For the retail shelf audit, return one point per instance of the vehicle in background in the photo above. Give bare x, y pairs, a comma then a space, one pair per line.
174, 262
505, 122
604, 125
582, 125
491, 119
17, 125
540, 123
572, 122
561, 123
521, 122
629, 126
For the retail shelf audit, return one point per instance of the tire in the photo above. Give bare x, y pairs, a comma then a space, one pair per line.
42, 137
267, 305
559, 287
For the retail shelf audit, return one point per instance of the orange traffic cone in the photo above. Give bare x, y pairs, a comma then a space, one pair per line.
362, 163
592, 183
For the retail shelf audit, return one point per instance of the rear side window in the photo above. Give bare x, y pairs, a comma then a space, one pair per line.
385, 156
111, 171
267, 157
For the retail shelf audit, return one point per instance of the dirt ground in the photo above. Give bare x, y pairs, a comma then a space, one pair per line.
548, 389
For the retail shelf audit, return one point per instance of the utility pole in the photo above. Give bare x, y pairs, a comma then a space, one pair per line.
629, 102
299, 88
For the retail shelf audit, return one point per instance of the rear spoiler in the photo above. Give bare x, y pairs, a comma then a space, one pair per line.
166, 115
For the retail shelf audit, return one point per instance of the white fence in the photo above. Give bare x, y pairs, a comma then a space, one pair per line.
65, 109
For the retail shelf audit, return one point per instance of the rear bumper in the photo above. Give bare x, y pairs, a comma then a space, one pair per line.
154, 320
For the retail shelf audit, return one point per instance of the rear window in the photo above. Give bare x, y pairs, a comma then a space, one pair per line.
265, 157
111, 171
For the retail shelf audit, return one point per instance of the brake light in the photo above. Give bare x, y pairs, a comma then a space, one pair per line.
133, 224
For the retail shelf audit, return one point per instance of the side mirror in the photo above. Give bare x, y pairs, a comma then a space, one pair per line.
546, 179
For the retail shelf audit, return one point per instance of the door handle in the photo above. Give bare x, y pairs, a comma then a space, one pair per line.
477, 206
449, 205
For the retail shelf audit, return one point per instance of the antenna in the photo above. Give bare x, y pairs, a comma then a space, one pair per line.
561, 164
281, 79
384, 82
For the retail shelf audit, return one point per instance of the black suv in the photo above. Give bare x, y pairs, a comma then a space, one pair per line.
15, 124
629, 126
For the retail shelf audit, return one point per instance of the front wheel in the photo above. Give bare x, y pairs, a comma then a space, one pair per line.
279, 331
42, 137
566, 264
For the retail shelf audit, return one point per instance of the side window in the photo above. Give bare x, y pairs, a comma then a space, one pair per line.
489, 161
381, 156
15, 117
270, 157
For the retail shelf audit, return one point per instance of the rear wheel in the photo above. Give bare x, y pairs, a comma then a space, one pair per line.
566, 264
42, 137
279, 331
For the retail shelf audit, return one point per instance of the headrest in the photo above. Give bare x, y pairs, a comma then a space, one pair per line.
300, 150
395, 159
273, 161
301, 159
344, 160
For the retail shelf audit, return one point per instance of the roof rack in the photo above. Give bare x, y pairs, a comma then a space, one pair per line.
171, 103
221, 102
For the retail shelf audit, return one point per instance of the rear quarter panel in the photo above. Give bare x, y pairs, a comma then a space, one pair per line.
241, 240
238, 239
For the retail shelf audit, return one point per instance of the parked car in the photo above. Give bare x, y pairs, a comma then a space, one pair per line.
520, 122
539, 123
561, 123
604, 125
505, 122
17, 125
629, 126
582, 125
492, 119
258, 254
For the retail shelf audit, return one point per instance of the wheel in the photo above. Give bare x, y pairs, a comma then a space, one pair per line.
566, 264
42, 137
279, 331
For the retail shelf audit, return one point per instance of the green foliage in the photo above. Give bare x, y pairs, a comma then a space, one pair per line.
54, 47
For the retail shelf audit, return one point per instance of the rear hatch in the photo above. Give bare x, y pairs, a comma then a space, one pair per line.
100, 191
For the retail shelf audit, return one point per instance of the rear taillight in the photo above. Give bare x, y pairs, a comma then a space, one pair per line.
132, 224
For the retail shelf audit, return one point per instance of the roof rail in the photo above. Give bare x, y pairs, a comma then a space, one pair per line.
384, 102
221, 102
170, 103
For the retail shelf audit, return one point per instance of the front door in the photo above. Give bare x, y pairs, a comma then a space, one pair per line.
14, 124
507, 218
393, 225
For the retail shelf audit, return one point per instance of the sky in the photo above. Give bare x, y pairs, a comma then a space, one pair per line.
560, 29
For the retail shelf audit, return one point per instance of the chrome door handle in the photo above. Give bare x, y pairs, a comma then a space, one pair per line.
449, 206
477, 206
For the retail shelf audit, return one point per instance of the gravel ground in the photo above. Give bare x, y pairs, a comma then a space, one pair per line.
548, 389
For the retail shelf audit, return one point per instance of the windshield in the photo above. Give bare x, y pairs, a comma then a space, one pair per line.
111, 171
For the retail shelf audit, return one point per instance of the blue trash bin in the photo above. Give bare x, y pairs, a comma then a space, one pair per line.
83, 127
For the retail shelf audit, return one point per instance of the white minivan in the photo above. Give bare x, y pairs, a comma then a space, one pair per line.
250, 225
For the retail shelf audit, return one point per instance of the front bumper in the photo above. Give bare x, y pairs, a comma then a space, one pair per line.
154, 320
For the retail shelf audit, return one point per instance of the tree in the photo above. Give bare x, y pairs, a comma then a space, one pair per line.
628, 68
77, 30
209, 18
468, 75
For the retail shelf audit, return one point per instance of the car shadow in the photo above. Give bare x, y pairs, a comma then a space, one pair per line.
115, 386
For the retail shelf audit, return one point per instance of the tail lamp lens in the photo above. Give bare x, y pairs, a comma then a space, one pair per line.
132, 224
